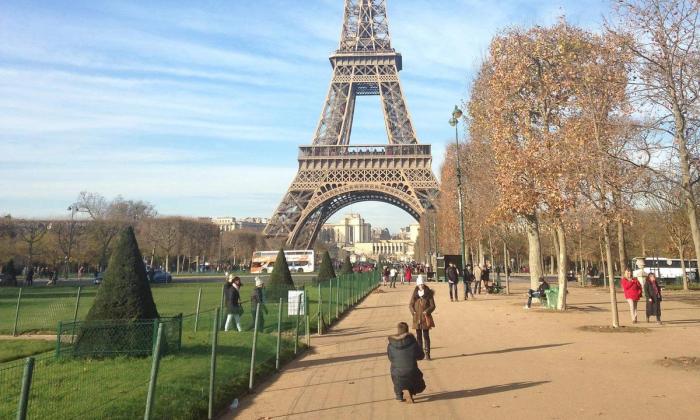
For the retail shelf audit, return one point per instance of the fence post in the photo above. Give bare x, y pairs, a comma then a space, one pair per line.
255, 341
337, 298
77, 305
308, 320
19, 300
59, 333
296, 331
330, 300
212, 366
196, 312
279, 334
221, 306
26, 386
154, 374
319, 312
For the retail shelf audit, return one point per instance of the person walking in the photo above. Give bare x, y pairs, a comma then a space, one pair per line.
408, 275
232, 293
477, 279
402, 274
29, 279
468, 278
256, 298
485, 273
452, 280
393, 274
652, 293
385, 275
422, 305
404, 352
633, 292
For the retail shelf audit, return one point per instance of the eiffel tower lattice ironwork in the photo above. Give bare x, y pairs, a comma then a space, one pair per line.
334, 174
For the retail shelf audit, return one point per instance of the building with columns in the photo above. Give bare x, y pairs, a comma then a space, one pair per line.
351, 229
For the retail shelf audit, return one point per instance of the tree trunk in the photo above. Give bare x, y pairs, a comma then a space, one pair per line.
611, 282
482, 257
167, 261
602, 262
622, 246
534, 250
685, 274
561, 263
506, 267
582, 269
491, 257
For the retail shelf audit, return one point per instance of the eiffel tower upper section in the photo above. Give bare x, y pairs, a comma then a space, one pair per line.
333, 173
364, 64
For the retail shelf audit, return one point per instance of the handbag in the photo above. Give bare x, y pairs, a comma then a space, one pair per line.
428, 321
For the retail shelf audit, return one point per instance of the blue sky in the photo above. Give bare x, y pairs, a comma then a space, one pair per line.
199, 107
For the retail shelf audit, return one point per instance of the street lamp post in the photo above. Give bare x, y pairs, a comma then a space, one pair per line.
454, 121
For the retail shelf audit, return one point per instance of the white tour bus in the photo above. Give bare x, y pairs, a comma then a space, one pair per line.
299, 261
669, 268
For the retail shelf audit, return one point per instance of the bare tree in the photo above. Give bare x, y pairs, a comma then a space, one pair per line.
663, 36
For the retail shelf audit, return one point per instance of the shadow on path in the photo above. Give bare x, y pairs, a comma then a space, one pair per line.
331, 360
466, 393
543, 346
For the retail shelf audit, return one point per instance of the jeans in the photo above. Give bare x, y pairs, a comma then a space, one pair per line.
393, 282
453, 287
633, 309
229, 319
423, 336
467, 290
532, 294
477, 287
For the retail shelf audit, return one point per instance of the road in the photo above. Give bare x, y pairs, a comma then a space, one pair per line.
492, 359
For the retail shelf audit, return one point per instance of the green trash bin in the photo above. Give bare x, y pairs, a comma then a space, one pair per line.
552, 296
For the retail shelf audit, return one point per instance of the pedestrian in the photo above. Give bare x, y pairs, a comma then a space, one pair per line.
468, 279
29, 279
402, 274
385, 275
477, 279
539, 293
422, 306
404, 352
408, 275
393, 274
232, 293
485, 272
257, 297
652, 293
452, 280
633, 292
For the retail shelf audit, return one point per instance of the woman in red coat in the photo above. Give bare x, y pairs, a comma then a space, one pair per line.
633, 292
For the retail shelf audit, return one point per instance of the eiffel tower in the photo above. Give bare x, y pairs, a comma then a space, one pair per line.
334, 174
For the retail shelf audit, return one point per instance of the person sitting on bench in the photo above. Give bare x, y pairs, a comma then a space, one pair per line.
539, 293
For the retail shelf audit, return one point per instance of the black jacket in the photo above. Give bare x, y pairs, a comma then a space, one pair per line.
452, 274
233, 298
404, 352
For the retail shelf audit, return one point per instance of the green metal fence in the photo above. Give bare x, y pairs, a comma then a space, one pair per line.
201, 380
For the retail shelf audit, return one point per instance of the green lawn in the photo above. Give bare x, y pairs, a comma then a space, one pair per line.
41, 308
17, 349
116, 388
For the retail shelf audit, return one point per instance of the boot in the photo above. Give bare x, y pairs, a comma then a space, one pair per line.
427, 354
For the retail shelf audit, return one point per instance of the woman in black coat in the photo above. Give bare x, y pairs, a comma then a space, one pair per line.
652, 293
404, 352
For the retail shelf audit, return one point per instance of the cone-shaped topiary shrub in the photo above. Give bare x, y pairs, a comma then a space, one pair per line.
347, 266
326, 272
9, 274
280, 280
120, 320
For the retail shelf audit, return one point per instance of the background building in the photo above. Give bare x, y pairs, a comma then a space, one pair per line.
351, 229
228, 224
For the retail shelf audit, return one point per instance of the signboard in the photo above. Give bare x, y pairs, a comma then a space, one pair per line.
295, 302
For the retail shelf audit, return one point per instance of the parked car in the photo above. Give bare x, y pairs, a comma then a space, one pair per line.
160, 276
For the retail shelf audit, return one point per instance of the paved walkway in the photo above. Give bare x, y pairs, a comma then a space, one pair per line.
493, 359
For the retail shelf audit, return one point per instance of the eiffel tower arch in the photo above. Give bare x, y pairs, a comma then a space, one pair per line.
333, 173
